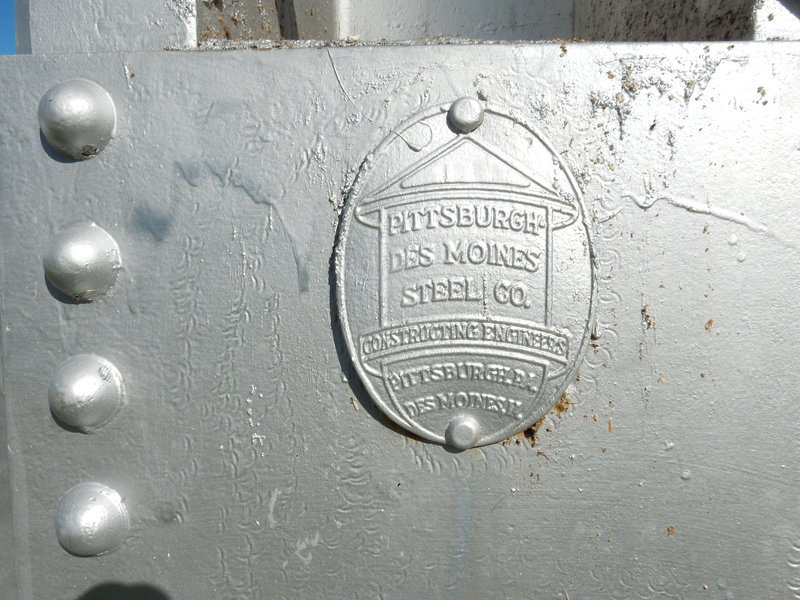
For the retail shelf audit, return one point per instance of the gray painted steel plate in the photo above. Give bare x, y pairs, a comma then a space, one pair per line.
465, 275
249, 459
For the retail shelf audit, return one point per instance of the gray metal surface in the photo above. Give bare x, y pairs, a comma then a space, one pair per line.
251, 461
237, 20
776, 20
662, 20
376, 20
268, 19
413, 19
66, 26
402, 20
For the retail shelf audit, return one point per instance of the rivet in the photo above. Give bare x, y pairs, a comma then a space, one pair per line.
465, 115
462, 432
78, 118
86, 392
83, 262
91, 520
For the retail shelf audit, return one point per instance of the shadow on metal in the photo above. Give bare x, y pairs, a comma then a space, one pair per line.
287, 19
792, 6
53, 153
57, 294
65, 426
153, 220
120, 591
346, 362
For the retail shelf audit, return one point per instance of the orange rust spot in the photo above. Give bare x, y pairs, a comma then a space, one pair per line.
610, 426
563, 405
709, 324
531, 434
647, 318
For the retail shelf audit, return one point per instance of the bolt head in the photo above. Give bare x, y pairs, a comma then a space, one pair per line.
465, 115
91, 520
77, 118
83, 262
463, 432
86, 392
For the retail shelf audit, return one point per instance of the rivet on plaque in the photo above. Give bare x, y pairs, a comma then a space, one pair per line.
464, 275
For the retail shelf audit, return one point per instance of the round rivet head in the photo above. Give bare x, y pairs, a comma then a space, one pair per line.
465, 115
91, 520
83, 262
78, 118
86, 392
463, 432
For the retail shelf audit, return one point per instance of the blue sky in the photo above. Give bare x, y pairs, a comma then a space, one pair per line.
7, 27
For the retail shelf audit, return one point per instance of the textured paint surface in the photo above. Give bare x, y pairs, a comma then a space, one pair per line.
634, 21
396, 20
408, 20
66, 26
376, 20
777, 20
250, 460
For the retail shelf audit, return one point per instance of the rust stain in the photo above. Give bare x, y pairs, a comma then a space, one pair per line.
563, 405
610, 426
531, 434
670, 529
709, 324
647, 319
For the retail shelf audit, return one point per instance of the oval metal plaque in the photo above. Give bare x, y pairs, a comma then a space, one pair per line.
464, 273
